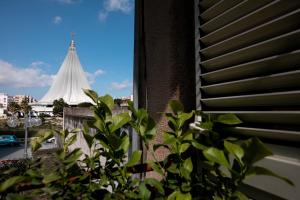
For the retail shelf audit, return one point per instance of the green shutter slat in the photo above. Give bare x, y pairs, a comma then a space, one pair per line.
276, 117
284, 43
288, 99
232, 14
274, 134
257, 17
281, 81
276, 27
279, 63
206, 4
217, 9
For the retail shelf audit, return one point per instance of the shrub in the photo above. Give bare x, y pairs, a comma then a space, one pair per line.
223, 162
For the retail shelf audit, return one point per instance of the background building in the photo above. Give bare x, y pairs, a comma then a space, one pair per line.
4, 100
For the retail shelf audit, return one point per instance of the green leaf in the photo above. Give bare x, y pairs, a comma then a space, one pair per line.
206, 125
135, 157
35, 144
73, 156
11, 182
229, 119
108, 101
150, 131
188, 165
177, 195
155, 167
75, 130
256, 170
119, 121
124, 144
12, 196
240, 195
86, 134
100, 125
184, 147
197, 145
92, 94
217, 156
155, 183
71, 140
234, 149
51, 178
183, 117
145, 194
254, 150
176, 106
173, 169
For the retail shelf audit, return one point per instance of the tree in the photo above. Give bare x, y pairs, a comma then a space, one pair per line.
25, 107
58, 106
13, 107
118, 101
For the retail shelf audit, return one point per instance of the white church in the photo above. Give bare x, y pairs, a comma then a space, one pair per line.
68, 84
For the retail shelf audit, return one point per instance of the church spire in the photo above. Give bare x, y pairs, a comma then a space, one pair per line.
69, 81
72, 45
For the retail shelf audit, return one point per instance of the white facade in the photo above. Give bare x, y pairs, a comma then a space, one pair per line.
69, 82
4, 100
2, 113
42, 109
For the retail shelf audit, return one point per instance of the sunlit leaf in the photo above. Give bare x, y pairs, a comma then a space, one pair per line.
229, 119
135, 157
240, 195
11, 182
155, 167
177, 195
119, 121
198, 145
254, 150
108, 101
176, 106
51, 178
155, 183
183, 117
145, 193
92, 94
234, 149
217, 156
188, 164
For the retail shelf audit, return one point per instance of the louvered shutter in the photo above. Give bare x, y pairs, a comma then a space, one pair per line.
248, 63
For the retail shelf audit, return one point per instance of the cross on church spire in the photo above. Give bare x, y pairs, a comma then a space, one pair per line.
72, 35
72, 46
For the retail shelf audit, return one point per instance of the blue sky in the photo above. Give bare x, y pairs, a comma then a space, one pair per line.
35, 35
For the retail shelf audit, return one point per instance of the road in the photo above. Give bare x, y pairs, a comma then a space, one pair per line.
13, 153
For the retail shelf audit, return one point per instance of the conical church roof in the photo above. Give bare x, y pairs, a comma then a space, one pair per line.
69, 81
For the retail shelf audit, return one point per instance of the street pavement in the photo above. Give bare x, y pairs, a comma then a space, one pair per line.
17, 152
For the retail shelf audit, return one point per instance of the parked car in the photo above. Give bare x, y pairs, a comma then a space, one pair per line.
8, 140
51, 140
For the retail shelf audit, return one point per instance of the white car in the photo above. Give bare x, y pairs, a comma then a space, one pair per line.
51, 140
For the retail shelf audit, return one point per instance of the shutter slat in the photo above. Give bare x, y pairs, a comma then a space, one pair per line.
232, 14
278, 26
274, 134
279, 63
275, 82
205, 4
284, 43
257, 17
267, 100
217, 9
278, 117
